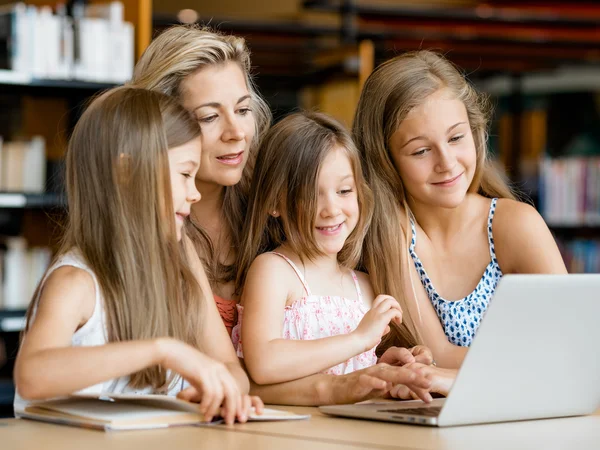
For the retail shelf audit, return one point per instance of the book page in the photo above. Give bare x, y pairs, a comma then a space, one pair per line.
108, 411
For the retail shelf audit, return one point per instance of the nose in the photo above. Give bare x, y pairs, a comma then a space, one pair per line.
193, 194
329, 206
446, 159
233, 130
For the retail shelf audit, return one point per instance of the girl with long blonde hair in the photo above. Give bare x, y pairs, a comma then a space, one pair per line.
446, 226
123, 307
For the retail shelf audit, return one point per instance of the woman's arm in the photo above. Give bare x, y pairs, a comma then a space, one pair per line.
360, 385
523, 242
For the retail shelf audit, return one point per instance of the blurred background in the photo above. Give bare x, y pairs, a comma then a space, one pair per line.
538, 60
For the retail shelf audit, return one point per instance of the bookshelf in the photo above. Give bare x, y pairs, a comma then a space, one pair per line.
46, 106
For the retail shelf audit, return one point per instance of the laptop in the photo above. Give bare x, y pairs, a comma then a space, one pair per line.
536, 355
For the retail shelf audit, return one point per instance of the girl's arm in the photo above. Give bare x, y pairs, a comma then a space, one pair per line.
272, 359
523, 242
48, 366
213, 331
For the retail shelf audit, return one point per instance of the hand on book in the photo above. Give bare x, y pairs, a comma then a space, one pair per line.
215, 388
248, 404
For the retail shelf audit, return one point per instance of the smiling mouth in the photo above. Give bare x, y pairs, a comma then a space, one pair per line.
450, 181
331, 229
232, 158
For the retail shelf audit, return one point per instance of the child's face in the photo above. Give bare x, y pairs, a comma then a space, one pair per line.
184, 162
219, 99
434, 152
337, 204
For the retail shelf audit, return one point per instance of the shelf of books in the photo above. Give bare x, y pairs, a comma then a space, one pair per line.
53, 57
547, 134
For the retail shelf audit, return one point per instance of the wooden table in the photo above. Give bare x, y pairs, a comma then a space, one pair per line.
321, 432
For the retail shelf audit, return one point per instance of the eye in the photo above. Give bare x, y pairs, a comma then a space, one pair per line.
420, 152
187, 175
346, 191
244, 111
208, 119
457, 138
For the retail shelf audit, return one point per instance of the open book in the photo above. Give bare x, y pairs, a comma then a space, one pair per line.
129, 412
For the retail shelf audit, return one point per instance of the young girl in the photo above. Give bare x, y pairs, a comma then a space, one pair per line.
122, 308
441, 206
304, 310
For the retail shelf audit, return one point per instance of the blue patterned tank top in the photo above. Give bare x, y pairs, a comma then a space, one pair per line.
461, 318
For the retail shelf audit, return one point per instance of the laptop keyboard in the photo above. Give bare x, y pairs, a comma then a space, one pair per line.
431, 411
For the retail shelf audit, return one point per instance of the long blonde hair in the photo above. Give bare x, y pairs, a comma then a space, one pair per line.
391, 91
121, 219
177, 53
285, 180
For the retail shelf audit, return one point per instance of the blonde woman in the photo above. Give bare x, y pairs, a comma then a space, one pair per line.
446, 226
123, 307
209, 73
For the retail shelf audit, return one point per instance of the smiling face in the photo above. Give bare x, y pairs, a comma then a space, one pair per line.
184, 162
434, 152
219, 99
337, 202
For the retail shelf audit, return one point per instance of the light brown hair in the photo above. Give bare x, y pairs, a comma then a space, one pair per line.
121, 219
177, 53
389, 94
286, 180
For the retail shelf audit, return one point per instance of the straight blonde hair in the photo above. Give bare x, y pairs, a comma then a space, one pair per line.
286, 180
121, 219
174, 55
389, 94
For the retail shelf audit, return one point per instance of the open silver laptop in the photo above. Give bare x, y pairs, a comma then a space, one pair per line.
536, 355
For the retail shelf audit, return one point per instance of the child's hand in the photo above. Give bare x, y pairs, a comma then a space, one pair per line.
213, 384
249, 404
400, 356
376, 321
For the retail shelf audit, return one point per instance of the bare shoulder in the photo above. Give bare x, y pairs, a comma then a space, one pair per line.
71, 289
364, 281
270, 263
513, 218
523, 242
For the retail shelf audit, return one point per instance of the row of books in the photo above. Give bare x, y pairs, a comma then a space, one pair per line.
581, 256
23, 165
21, 269
94, 44
570, 191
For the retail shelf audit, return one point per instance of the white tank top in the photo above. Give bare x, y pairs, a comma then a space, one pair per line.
94, 332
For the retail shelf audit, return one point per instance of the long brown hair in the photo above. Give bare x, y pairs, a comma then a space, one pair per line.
285, 180
390, 92
177, 53
121, 219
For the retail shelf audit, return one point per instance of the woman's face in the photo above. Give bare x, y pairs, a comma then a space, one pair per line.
219, 99
434, 152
